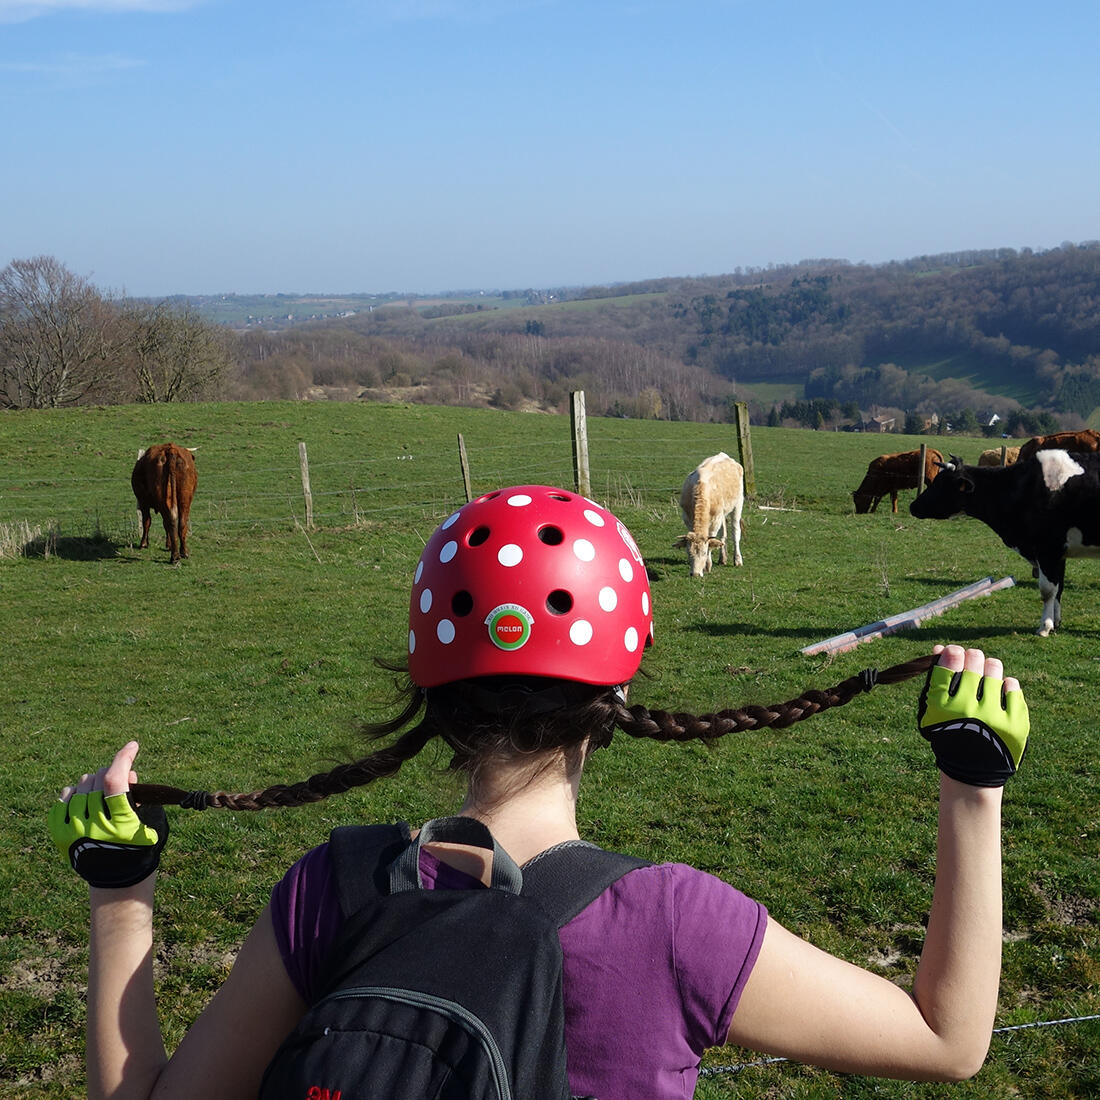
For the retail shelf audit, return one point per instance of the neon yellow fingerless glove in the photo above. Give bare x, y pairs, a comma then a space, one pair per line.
978, 732
107, 841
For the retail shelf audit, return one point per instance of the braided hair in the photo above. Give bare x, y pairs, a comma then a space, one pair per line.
497, 718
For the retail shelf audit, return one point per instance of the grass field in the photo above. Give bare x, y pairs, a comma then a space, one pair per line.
251, 663
978, 375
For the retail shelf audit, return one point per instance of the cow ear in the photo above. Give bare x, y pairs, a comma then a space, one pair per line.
966, 485
681, 541
714, 542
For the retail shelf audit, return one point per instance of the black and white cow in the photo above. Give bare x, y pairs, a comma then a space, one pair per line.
1046, 508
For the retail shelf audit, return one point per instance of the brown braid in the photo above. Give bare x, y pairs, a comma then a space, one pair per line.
378, 765
636, 721
660, 725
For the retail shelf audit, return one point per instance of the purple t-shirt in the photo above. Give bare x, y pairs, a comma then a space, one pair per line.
653, 968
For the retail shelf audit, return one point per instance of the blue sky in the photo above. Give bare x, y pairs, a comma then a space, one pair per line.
203, 146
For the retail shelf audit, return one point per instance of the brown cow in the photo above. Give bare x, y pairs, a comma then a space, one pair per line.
164, 481
889, 473
1085, 440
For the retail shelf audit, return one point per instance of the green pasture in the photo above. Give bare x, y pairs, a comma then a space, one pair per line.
552, 309
617, 301
252, 663
978, 375
773, 393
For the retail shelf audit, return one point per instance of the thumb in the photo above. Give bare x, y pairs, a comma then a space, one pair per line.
120, 773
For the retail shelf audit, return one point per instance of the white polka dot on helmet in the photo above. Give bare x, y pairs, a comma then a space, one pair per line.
529, 581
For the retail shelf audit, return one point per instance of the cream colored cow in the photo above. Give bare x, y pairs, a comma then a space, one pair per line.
992, 457
712, 491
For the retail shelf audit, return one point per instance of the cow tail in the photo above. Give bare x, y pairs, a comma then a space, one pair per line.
174, 473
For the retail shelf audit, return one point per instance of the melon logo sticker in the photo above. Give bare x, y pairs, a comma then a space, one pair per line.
631, 545
509, 626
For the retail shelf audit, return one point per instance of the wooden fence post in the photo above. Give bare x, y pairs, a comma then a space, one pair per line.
464, 463
578, 424
920, 471
303, 462
744, 447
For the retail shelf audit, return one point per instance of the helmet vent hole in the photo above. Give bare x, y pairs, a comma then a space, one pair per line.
462, 603
552, 536
478, 535
559, 602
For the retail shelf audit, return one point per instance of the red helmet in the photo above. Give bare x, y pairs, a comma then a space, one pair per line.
529, 581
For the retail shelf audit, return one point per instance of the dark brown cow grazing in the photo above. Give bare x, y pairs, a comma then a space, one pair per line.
1085, 441
889, 473
164, 481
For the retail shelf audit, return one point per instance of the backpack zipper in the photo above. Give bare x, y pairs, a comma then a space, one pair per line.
454, 1012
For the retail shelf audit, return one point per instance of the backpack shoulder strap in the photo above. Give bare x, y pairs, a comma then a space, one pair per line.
361, 856
563, 879
568, 877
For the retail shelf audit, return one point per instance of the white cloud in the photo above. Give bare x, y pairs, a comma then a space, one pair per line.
20, 11
73, 66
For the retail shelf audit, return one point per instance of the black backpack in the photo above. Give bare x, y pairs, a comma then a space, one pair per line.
441, 994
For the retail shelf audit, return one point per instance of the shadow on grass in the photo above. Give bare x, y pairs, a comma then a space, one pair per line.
664, 561
962, 635
71, 548
745, 630
813, 633
950, 586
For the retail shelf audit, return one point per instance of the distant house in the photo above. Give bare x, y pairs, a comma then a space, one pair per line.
880, 424
932, 423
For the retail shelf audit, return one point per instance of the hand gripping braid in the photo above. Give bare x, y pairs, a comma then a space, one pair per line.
978, 731
636, 721
978, 737
109, 842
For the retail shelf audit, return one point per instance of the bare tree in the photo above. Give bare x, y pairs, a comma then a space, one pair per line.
174, 355
58, 335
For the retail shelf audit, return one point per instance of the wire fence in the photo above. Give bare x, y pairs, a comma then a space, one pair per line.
381, 484
384, 485
736, 1068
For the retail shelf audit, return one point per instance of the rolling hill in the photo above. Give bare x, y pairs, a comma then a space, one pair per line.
993, 332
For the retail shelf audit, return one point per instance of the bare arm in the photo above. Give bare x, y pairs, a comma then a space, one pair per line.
227, 1048
124, 1048
805, 1004
229, 1045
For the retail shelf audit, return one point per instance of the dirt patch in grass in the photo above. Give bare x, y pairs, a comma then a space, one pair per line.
52, 964
1070, 910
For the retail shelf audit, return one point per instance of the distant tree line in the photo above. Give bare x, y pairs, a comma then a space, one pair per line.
861, 332
514, 370
820, 412
63, 342
905, 340
917, 337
